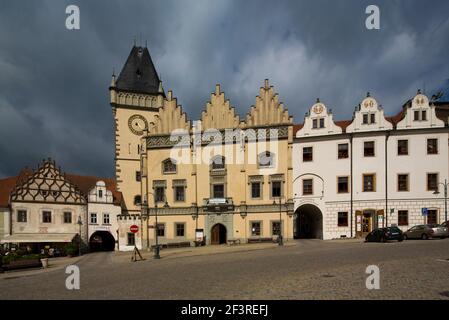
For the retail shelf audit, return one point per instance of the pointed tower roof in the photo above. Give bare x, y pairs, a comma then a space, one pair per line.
138, 74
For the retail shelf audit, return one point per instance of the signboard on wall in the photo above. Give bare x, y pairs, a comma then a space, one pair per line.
424, 211
199, 235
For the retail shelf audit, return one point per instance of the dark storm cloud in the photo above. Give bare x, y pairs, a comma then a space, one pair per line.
53, 82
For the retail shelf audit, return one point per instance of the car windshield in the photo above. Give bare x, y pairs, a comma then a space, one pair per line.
394, 229
433, 225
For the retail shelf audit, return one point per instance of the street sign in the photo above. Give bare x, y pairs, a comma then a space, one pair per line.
424, 211
134, 228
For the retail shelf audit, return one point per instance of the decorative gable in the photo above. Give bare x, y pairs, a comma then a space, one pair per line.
47, 184
170, 118
219, 114
420, 114
369, 116
318, 121
267, 110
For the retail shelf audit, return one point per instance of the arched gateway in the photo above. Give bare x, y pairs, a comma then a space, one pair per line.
101, 241
309, 222
218, 234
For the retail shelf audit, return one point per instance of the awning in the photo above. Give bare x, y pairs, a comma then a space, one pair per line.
38, 237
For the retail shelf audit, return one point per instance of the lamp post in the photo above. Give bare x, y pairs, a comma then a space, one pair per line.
436, 192
280, 240
80, 223
156, 249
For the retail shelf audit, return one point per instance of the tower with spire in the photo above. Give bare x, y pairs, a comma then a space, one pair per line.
135, 96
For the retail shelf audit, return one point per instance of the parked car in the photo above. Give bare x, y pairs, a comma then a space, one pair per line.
385, 234
426, 231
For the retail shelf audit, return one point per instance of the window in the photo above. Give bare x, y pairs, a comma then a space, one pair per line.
432, 182
416, 115
137, 200
276, 189
402, 218
255, 190
100, 193
369, 118
93, 218
321, 123
160, 229
343, 185
343, 151
276, 228
318, 123
266, 159
180, 229
21, 216
402, 147
168, 166
160, 194
67, 217
106, 219
368, 148
138, 176
432, 146
218, 163
342, 219
365, 118
307, 154
403, 184
46, 217
131, 239
373, 118
307, 186
255, 228
314, 123
179, 193
423, 115
218, 191
369, 182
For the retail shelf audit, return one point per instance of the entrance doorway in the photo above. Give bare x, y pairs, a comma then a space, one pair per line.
309, 222
432, 217
101, 241
218, 234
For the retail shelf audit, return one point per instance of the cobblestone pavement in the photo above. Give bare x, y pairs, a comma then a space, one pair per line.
310, 269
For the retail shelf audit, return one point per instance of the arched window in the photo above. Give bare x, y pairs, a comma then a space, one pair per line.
137, 200
218, 163
265, 159
168, 166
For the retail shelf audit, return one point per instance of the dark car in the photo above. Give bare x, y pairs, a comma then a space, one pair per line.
385, 234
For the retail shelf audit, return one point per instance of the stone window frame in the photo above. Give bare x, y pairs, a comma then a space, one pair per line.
374, 182
437, 181
218, 180
91, 215
64, 216
338, 219
338, 151
302, 186
276, 178
369, 118
271, 226
407, 216
348, 183
408, 182
160, 184
184, 224
374, 149
51, 216
109, 218
311, 154
256, 179
179, 183
164, 229
169, 172
397, 147
260, 222
437, 146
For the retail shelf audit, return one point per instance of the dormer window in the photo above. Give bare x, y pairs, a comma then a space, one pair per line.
420, 115
318, 123
369, 118
100, 193
168, 166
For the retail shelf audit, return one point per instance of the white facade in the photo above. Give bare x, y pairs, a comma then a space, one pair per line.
102, 214
372, 158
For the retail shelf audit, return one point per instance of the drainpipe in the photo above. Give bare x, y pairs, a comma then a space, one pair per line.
387, 135
352, 181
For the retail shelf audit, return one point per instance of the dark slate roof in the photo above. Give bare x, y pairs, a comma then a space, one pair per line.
138, 73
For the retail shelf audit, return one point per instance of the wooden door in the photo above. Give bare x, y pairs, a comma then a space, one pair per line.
215, 234
432, 216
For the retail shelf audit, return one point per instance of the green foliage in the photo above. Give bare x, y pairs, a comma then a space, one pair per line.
71, 249
15, 256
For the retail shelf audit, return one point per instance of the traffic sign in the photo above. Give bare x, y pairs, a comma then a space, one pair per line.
134, 228
424, 211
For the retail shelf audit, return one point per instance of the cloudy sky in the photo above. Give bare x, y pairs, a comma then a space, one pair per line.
54, 82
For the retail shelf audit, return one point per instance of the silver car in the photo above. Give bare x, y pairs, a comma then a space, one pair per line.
426, 231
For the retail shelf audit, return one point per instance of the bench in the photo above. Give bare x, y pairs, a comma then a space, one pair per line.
233, 242
20, 264
260, 240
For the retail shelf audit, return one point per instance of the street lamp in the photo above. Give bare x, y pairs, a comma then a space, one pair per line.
80, 223
156, 249
280, 240
436, 192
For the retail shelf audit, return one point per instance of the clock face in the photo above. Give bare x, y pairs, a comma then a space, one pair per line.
137, 124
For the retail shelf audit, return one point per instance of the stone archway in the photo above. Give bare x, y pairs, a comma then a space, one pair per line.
309, 222
218, 234
101, 241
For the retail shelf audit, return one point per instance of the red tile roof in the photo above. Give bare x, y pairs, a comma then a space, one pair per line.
6, 186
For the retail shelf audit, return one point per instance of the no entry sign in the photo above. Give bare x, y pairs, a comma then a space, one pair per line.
134, 228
